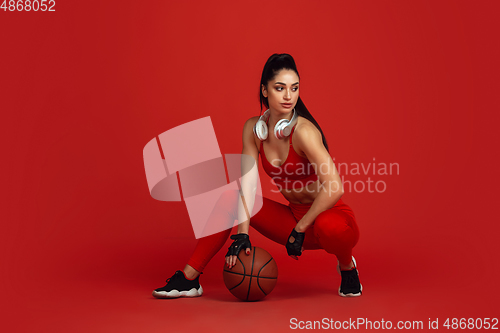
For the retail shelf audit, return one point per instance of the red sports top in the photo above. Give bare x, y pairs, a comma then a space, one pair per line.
295, 172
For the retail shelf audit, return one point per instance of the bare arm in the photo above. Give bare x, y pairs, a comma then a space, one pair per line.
249, 171
331, 190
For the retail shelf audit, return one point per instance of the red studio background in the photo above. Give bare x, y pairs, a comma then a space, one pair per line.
85, 87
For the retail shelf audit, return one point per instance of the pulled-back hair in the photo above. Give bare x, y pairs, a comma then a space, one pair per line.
274, 64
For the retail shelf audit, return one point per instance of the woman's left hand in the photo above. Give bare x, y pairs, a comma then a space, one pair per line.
294, 246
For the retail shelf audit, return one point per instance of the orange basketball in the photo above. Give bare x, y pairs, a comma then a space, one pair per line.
253, 277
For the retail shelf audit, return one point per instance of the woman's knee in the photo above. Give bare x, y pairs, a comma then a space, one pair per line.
335, 226
228, 197
227, 201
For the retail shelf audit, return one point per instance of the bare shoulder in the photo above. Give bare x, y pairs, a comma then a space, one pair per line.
248, 127
305, 135
304, 125
251, 121
249, 139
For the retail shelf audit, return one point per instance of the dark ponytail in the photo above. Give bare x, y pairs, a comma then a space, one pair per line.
274, 64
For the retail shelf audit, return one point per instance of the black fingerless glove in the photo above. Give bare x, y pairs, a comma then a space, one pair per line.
241, 241
295, 248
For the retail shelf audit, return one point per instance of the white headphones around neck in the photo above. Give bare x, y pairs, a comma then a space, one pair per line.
282, 129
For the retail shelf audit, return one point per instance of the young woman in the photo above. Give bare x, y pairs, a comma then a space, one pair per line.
302, 168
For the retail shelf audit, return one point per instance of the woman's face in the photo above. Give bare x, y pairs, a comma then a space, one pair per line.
282, 91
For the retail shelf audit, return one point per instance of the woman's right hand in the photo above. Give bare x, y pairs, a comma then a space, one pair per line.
241, 241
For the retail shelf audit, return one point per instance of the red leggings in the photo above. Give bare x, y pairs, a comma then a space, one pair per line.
334, 230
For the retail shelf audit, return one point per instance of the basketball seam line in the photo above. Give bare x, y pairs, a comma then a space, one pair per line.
255, 276
258, 284
251, 272
244, 273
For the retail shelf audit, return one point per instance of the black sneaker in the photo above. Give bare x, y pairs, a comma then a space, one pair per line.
179, 286
350, 285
